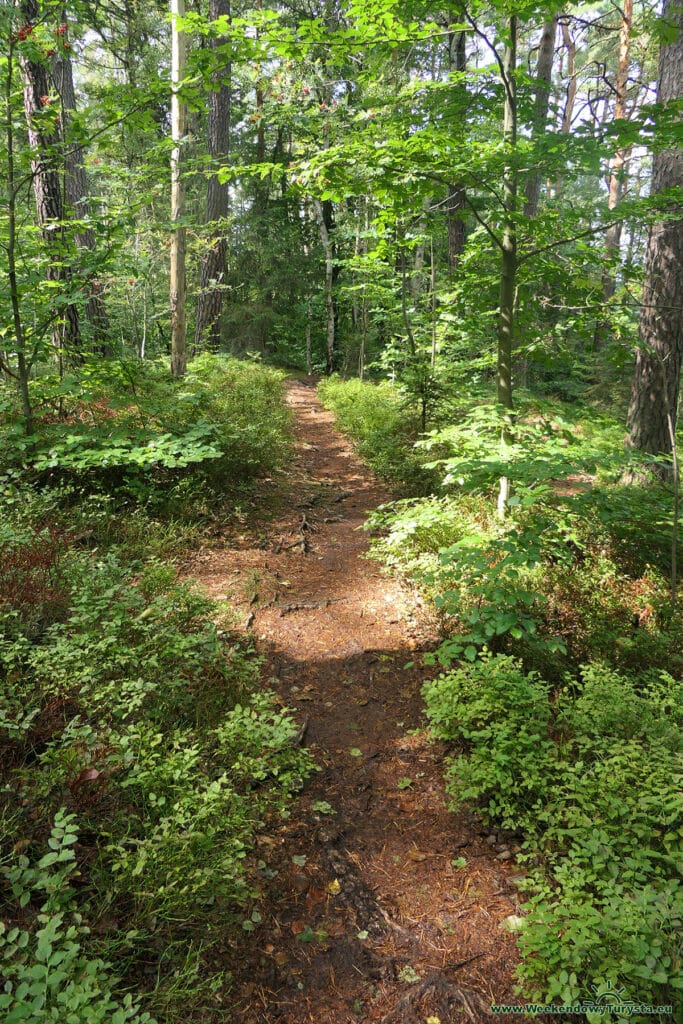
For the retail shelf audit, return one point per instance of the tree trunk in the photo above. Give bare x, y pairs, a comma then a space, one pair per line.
23, 362
544, 71
76, 189
506, 315
210, 299
457, 59
178, 241
417, 281
654, 398
325, 220
572, 81
44, 139
616, 178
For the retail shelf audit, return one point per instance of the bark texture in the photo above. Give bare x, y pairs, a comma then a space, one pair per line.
324, 215
76, 190
617, 175
457, 236
212, 274
544, 71
508, 270
178, 238
654, 397
43, 137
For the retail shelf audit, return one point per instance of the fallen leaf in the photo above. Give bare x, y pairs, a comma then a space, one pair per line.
417, 856
87, 775
314, 896
513, 923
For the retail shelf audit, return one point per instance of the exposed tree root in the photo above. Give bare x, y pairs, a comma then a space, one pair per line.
444, 997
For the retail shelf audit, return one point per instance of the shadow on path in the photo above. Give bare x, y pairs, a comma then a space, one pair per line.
379, 904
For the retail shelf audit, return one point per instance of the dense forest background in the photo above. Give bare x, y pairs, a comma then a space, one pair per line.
352, 188
465, 219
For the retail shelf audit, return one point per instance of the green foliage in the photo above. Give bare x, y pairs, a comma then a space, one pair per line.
124, 428
382, 425
47, 974
567, 571
137, 712
591, 774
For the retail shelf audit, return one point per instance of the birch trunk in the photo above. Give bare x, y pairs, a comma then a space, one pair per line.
616, 177
178, 285
508, 273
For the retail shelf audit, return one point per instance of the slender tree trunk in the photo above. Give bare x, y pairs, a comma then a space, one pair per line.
508, 274
417, 281
457, 59
23, 364
309, 316
325, 221
432, 304
210, 299
654, 397
178, 241
544, 71
43, 139
404, 302
76, 188
616, 178
572, 81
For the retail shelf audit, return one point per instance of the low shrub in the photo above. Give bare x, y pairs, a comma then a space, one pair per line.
591, 773
47, 974
383, 427
128, 430
138, 715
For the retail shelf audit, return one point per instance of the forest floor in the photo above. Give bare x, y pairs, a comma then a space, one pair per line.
383, 906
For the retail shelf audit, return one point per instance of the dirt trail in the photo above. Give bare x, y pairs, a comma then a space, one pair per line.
385, 906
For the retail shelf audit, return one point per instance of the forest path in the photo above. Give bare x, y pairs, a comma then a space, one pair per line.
367, 918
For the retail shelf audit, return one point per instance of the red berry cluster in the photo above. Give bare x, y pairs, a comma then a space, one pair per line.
24, 32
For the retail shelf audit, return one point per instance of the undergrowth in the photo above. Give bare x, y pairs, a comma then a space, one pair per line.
140, 756
384, 427
565, 713
123, 446
591, 772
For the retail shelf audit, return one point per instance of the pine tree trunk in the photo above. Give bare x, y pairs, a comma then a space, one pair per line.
23, 362
210, 299
43, 140
654, 397
76, 190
